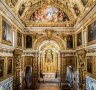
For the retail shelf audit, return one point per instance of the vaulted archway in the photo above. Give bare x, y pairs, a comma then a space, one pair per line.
55, 38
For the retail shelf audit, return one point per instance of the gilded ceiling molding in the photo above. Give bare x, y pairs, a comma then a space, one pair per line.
62, 7
36, 6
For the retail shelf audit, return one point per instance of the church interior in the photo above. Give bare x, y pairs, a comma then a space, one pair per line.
47, 44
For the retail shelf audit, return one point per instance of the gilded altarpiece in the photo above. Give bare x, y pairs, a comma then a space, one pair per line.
49, 61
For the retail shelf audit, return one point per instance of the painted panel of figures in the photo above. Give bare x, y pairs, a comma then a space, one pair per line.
49, 14
79, 39
9, 66
19, 41
92, 32
1, 67
89, 64
69, 41
6, 32
28, 41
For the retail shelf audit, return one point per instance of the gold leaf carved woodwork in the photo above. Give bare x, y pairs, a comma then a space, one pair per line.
82, 61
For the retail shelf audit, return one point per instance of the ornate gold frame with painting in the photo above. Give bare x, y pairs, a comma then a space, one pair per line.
70, 41
79, 39
19, 39
28, 41
9, 65
2, 67
6, 32
90, 64
91, 33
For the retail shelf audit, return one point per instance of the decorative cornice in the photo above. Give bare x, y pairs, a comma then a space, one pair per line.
65, 53
6, 10
30, 52
65, 30
89, 13
91, 51
81, 51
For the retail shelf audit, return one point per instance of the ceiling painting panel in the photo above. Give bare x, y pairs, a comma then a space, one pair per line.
48, 14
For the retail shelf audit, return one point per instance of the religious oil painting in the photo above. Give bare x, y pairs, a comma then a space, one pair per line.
21, 10
19, 41
89, 64
14, 2
90, 83
49, 14
79, 39
9, 66
92, 32
28, 41
69, 41
6, 32
76, 9
84, 2
1, 67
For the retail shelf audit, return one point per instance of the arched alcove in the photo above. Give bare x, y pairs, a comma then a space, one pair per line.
55, 38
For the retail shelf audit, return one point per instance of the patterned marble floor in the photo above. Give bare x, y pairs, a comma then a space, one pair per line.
49, 86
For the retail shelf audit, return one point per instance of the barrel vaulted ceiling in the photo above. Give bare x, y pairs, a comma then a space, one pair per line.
49, 12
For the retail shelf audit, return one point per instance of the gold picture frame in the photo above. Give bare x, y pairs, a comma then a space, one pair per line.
19, 39
2, 68
90, 64
6, 32
91, 33
79, 39
9, 65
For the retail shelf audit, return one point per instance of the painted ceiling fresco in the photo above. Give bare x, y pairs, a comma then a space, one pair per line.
48, 14
37, 12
